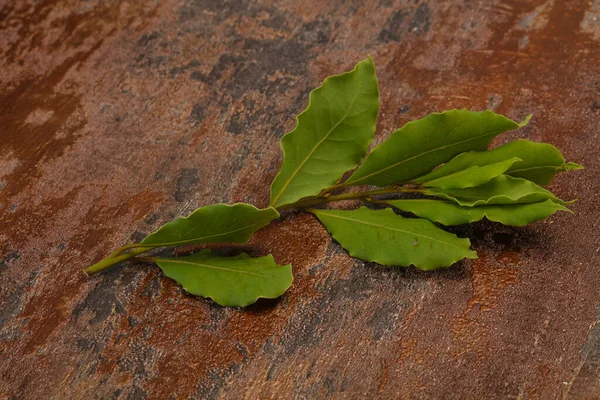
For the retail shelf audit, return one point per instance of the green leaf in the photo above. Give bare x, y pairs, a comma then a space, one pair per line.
447, 213
503, 189
471, 177
384, 237
331, 136
539, 162
212, 224
230, 281
421, 145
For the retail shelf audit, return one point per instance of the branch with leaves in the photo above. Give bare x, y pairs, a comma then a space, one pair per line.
441, 160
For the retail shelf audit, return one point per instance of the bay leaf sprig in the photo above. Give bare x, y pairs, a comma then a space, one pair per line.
441, 160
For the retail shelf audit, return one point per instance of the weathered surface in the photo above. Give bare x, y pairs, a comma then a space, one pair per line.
116, 116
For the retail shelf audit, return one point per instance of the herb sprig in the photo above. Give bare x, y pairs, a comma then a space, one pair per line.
442, 159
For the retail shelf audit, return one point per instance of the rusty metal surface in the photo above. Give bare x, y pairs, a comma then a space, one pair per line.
116, 116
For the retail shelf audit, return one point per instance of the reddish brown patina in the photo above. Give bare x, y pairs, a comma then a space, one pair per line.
116, 116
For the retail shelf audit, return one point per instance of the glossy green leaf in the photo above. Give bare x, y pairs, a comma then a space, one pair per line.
421, 145
472, 176
448, 213
230, 281
503, 189
212, 224
331, 136
539, 162
384, 237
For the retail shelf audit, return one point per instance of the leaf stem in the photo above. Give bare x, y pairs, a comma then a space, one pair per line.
127, 247
113, 260
130, 251
317, 200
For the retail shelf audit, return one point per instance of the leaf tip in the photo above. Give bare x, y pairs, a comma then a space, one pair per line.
525, 121
367, 63
571, 166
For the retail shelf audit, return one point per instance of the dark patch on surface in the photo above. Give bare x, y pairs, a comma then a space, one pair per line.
590, 351
216, 316
199, 76
137, 358
137, 236
181, 69
383, 319
186, 184
503, 238
12, 256
276, 19
152, 219
101, 301
197, 114
136, 393
147, 39
237, 125
404, 109
420, 22
148, 60
315, 32
329, 383
217, 378
266, 57
85, 344
393, 31
153, 288
11, 306
239, 121
133, 322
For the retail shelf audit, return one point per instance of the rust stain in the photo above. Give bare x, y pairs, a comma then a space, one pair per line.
490, 277
490, 281
384, 377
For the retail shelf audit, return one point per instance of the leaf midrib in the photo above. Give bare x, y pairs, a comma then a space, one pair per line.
297, 170
391, 229
195, 264
532, 168
419, 155
469, 170
475, 199
204, 237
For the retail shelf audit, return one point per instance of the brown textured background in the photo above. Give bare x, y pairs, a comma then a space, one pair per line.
116, 116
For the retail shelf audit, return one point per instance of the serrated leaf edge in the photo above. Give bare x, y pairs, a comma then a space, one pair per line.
375, 150
241, 256
471, 253
466, 171
183, 242
393, 203
273, 202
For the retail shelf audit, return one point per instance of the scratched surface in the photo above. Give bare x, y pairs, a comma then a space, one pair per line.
116, 116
